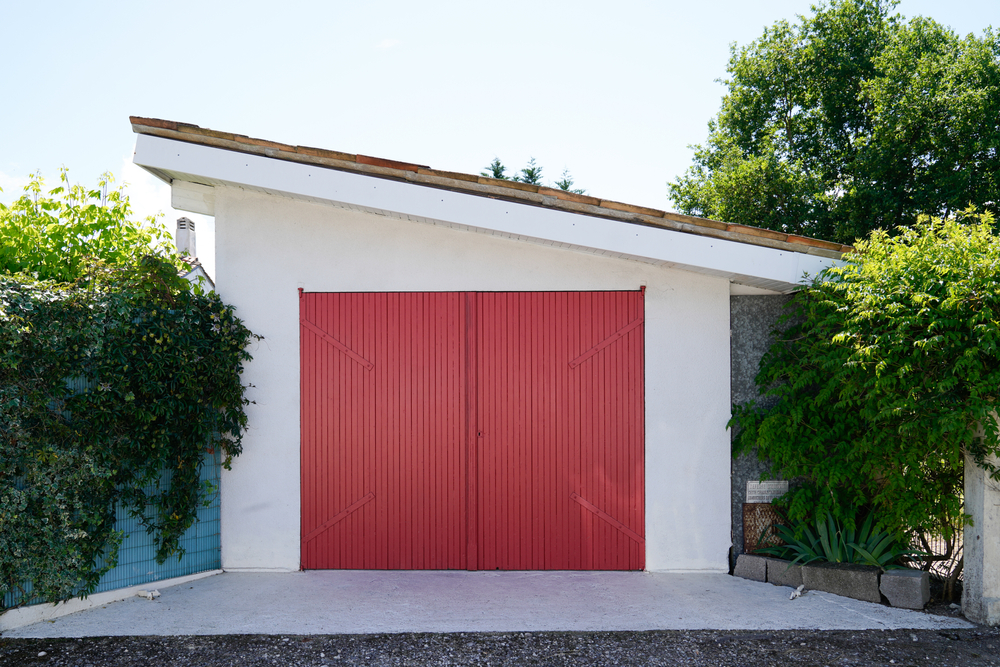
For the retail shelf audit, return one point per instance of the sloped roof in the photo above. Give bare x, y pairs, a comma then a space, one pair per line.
487, 187
196, 270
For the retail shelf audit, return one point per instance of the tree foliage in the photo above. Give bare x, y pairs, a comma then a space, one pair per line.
849, 120
566, 183
530, 174
887, 375
111, 385
58, 234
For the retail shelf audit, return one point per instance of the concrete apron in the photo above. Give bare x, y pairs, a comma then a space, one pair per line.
363, 601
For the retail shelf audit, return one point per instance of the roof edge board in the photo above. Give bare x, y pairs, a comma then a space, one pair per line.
483, 186
657, 243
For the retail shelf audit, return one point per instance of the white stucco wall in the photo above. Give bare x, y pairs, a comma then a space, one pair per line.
269, 246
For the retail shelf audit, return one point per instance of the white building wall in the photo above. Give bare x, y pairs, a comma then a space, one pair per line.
269, 246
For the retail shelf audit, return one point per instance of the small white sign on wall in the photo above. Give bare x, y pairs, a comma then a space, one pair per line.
765, 492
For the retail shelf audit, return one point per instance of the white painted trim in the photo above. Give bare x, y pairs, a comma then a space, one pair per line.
738, 289
271, 570
763, 267
36, 613
192, 197
708, 570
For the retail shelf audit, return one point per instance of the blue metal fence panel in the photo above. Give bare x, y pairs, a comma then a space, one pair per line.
201, 543
137, 554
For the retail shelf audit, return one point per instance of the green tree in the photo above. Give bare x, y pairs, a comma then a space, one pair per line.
849, 120
879, 386
59, 234
566, 183
531, 174
495, 170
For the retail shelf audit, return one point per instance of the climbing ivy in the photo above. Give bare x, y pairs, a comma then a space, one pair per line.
886, 377
159, 368
116, 379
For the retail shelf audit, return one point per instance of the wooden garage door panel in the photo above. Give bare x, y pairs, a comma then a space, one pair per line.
338, 432
552, 430
479, 430
394, 431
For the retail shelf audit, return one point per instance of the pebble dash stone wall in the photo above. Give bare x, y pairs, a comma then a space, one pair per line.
752, 320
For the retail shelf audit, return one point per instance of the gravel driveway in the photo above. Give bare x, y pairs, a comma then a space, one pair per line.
980, 646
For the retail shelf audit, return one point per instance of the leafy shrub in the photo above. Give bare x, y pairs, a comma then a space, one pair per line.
106, 381
887, 376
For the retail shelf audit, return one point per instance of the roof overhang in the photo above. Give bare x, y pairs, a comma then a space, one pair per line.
194, 170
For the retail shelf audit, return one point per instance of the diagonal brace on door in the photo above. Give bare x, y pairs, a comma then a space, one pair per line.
604, 343
336, 343
339, 517
601, 514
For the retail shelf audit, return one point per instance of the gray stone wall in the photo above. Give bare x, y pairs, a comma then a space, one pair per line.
751, 322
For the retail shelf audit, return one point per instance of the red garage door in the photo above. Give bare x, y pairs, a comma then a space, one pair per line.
472, 430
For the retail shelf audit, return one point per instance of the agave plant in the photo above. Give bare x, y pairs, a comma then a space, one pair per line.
880, 548
832, 543
802, 550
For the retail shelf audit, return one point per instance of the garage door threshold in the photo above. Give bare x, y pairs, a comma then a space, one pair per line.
365, 602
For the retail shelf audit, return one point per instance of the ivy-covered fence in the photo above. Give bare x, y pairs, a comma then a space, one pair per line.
135, 444
136, 563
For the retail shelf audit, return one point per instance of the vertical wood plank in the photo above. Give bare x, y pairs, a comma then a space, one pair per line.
448, 367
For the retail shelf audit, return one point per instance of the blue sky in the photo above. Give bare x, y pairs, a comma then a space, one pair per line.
615, 92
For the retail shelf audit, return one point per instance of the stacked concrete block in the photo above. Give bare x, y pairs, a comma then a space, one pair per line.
751, 567
852, 581
783, 573
772, 570
908, 589
981, 585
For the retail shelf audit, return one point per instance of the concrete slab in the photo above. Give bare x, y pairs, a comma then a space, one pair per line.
359, 602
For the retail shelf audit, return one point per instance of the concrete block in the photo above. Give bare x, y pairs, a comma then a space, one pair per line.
751, 567
782, 573
854, 581
909, 589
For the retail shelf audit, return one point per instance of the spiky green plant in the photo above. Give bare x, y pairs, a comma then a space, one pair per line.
829, 541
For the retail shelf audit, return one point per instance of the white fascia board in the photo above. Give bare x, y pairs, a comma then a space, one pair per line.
192, 197
743, 261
